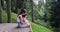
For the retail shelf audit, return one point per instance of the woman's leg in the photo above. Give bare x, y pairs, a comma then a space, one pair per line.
18, 25
30, 28
21, 25
29, 25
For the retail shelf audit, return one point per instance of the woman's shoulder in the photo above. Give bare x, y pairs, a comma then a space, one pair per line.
20, 15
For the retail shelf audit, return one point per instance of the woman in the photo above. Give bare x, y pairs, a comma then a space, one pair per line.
22, 21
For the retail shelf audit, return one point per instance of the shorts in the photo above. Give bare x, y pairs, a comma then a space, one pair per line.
21, 25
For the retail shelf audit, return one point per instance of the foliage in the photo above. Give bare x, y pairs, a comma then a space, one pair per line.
14, 16
35, 27
38, 11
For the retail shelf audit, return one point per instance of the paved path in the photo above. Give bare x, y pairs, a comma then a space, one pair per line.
11, 27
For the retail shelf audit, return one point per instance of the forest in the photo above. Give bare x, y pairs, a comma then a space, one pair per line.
44, 15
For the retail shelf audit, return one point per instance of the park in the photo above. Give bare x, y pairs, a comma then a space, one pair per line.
43, 15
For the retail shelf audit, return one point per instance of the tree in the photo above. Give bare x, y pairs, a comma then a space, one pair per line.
16, 5
2, 3
9, 10
55, 11
32, 10
56, 16
0, 12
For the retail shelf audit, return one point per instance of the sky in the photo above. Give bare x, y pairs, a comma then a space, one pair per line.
36, 1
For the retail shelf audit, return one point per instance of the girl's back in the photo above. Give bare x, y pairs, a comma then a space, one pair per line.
24, 18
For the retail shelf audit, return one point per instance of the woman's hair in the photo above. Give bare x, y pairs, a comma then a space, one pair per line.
23, 11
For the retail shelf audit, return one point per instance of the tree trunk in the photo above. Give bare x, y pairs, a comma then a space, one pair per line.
32, 10
9, 11
2, 3
0, 12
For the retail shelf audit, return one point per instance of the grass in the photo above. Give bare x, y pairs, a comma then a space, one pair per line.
35, 27
13, 15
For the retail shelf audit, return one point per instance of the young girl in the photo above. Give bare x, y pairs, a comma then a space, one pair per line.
22, 21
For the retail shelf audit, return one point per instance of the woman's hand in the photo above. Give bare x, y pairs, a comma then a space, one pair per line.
21, 19
22, 22
26, 16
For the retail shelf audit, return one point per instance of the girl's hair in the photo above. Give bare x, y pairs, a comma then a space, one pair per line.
22, 11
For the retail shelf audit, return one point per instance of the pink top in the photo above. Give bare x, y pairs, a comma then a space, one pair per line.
24, 19
18, 20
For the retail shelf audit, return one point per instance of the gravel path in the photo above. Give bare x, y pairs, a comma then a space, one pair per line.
11, 27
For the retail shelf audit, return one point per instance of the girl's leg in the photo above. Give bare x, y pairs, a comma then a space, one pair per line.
30, 28
21, 25
29, 25
18, 25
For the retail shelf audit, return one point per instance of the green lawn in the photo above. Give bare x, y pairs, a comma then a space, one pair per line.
35, 27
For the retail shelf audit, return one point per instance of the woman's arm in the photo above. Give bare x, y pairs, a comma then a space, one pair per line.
21, 20
26, 16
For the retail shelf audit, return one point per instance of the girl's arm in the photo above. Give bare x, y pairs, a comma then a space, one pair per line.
26, 16
21, 20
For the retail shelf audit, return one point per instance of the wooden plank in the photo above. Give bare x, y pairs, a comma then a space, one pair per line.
11, 27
